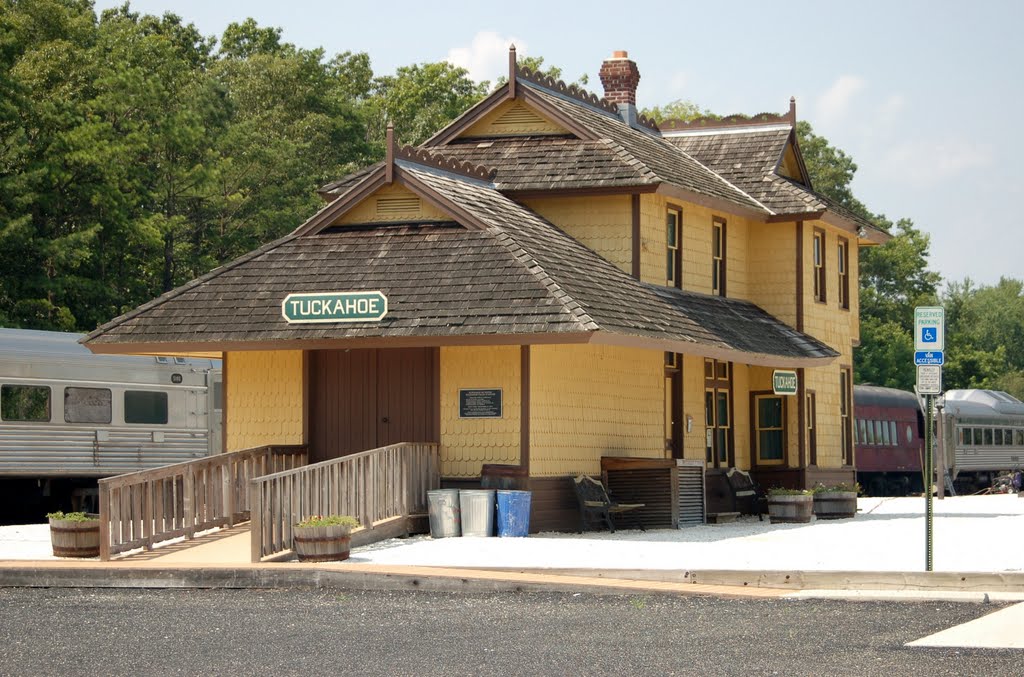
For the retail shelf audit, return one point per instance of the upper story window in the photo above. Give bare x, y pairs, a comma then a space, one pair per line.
843, 264
819, 265
718, 257
673, 241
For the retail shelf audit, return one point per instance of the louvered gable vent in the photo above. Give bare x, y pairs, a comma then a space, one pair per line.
519, 116
398, 205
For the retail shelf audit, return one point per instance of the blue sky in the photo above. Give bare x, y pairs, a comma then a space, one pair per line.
923, 95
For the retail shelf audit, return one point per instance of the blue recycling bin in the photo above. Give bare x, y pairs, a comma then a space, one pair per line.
513, 512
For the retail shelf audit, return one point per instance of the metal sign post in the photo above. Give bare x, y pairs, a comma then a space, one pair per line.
929, 473
929, 344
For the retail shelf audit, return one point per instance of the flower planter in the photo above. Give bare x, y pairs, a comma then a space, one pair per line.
75, 538
321, 544
790, 508
834, 505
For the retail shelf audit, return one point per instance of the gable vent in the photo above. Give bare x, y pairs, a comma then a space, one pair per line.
518, 116
397, 205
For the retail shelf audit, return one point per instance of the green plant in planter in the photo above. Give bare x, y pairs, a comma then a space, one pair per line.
71, 516
783, 491
329, 521
845, 487
74, 534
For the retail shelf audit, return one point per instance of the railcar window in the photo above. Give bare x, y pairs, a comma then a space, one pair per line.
966, 436
1018, 438
861, 434
910, 434
886, 440
878, 432
25, 403
893, 435
1008, 437
87, 405
997, 437
988, 437
141, 406
978, 441
870, 429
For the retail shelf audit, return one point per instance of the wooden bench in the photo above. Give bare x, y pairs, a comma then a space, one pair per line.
595, 504
746, 492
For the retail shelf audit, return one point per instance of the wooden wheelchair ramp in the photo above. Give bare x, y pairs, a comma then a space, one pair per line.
227, 509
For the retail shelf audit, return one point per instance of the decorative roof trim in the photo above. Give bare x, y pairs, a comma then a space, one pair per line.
571, 91
426, 158
717, 131
578, 95
735, 120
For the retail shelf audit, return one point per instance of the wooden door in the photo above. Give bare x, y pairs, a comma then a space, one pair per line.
364, 399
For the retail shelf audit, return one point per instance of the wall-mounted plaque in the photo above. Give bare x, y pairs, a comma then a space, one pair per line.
480, 403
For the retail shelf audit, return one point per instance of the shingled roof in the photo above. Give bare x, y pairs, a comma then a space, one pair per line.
499, 270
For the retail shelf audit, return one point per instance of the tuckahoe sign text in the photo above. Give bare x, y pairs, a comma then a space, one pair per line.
341, 306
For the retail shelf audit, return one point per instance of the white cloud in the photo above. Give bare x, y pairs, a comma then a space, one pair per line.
929, 162
678, 83
835, 102
486, 57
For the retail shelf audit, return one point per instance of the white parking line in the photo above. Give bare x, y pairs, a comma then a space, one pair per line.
998, 630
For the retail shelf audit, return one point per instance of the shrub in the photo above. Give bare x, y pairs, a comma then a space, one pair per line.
71, 516
782, 491
329, 521
842, 486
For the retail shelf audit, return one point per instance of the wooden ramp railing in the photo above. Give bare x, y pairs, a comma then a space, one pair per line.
372, 486
142, 508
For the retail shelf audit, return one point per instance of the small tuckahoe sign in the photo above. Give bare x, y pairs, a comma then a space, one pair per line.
784, 382
342, 306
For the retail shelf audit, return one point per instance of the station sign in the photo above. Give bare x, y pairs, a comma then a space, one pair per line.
342, 306
929, 379
784, 382
929, 329
930, 358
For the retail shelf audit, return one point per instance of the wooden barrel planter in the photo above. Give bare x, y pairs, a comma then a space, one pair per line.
321, 544
75, 538
790, 508
834, 505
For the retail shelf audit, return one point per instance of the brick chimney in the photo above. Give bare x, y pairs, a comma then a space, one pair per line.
620, 76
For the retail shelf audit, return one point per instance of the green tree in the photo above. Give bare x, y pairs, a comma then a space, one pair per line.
680, 109
419, 100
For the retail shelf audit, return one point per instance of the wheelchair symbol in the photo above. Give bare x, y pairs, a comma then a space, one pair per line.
928, 335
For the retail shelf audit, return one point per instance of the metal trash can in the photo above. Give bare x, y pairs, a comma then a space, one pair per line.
444, 513
513, 512
477, 512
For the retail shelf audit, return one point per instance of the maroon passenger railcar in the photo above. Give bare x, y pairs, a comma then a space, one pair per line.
889, 438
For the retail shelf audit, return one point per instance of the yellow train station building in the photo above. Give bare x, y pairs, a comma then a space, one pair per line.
550, 280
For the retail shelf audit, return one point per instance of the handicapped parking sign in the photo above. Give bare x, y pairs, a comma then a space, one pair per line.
929, 328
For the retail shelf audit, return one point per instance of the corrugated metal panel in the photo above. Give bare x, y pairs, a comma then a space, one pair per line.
989, 458
37, 451
652, 487
690, 477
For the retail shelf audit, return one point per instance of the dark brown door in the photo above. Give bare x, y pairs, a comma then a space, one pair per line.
364, 399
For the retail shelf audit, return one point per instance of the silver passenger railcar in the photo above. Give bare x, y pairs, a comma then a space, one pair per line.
983, 435
68, 417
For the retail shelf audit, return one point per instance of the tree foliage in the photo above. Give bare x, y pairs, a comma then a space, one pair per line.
137, 154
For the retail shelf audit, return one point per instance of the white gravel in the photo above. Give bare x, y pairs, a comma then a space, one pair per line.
972, 533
